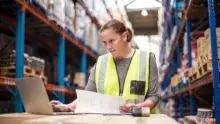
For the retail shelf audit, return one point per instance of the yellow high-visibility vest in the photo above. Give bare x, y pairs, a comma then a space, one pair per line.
106, 77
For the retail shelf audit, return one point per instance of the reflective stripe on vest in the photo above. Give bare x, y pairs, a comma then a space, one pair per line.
106, 77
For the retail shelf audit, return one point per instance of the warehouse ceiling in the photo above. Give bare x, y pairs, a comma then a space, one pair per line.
143, 25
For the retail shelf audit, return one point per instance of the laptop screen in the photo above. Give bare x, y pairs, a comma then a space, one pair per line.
34, 95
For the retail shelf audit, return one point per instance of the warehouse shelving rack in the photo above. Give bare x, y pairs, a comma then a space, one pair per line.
210, 78
26, 13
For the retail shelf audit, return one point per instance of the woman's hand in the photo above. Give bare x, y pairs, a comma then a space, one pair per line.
127, 107
60, 107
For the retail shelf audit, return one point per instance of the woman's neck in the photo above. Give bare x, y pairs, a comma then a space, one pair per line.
125, 53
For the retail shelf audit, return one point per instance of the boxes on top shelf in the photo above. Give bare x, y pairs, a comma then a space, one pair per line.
115, 9
100, 12
43, 3
204, 51
207, 34
92, 37
200, 45
90, 5
81, 22
56, 12
69, 15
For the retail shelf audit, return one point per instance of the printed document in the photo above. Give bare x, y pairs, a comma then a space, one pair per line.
92, 102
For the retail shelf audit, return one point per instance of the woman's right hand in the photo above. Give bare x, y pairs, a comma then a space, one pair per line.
127, 108
60, 107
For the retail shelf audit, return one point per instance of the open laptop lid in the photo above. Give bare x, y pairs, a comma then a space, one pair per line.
34, 95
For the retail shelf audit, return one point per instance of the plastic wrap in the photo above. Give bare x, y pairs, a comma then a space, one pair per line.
56, 12
100, 12
69, 15
42, 3
82, 21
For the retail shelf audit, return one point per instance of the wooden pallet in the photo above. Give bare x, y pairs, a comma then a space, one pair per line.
193, 73
38, 72
194, 76
12, 75
7, 61
12, 70
206, 68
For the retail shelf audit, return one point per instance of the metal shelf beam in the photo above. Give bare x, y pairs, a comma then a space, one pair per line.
205, 80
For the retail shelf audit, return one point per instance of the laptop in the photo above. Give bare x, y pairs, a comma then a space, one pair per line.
34, 96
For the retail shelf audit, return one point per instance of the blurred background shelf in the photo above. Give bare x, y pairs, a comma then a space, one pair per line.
189, 29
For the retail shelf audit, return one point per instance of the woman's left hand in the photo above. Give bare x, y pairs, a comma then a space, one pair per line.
127, 107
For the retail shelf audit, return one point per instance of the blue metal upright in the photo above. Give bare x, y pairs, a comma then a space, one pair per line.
212, 25
192, 105
189, 43
191, 97
83, 61
176, 108
181, 105
176, 14
20, 32
83, 65
61, 65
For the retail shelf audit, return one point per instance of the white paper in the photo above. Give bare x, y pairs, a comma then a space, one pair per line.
91, 102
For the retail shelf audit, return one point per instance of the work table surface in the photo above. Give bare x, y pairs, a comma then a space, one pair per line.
25, 118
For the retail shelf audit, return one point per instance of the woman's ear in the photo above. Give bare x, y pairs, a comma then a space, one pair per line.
124, 36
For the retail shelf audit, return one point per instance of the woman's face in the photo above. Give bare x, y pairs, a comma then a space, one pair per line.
113, 41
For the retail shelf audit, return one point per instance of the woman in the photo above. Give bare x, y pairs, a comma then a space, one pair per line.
123, 71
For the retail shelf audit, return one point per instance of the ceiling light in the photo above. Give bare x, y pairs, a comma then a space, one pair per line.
144, 12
